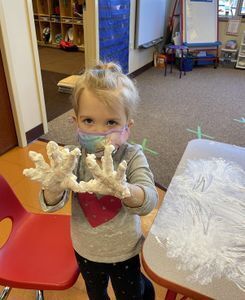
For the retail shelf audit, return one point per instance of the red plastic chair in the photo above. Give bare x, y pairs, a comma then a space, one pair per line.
38, 253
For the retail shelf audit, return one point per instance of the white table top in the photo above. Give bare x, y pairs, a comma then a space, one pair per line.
161, 268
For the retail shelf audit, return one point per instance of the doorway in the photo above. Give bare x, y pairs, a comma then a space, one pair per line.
8, 138
58, 21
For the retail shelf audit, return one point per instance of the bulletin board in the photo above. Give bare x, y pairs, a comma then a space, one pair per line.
200, 21
114, 17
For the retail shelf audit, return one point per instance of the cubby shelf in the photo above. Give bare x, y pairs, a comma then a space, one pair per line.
59, 19
228, 56
241, 54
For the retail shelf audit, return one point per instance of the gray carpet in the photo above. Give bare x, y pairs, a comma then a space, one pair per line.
206, 97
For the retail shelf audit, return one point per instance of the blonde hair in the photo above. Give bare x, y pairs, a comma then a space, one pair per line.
107, 82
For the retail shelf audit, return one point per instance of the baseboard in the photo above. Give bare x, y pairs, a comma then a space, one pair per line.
34, 133
141, 70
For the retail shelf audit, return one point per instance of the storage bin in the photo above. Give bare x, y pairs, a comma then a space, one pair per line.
187, 64
209, 59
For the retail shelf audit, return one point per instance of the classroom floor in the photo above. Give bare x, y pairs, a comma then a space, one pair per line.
12, 164
60, 61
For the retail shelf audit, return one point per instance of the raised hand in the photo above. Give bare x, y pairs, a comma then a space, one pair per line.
106, 180
57, 176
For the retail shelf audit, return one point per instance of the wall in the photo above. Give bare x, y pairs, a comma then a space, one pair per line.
222, 33
22, 68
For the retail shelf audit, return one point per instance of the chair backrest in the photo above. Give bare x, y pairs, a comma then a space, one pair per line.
10, 206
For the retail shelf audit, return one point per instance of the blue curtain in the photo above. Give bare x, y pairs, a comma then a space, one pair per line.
114, 31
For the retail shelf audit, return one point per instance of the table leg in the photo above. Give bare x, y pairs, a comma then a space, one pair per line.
172, 60
181, 64
216, 62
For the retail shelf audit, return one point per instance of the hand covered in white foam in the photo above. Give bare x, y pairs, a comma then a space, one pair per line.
106, 180
57, 176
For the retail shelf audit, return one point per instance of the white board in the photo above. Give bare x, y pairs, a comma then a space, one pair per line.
200, 21
150, 21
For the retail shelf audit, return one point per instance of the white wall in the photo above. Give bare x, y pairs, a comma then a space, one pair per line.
22, 66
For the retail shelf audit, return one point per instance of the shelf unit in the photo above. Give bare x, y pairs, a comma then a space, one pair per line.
241, 54
228, 56
60, 19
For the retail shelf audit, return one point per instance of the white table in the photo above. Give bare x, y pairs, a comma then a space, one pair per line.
161, 268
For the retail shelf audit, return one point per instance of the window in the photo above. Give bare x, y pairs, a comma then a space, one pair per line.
227, 8
242, 8
230, 8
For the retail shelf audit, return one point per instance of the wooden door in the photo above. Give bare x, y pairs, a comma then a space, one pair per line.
8, 138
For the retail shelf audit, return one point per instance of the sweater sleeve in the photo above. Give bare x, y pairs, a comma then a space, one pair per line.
51, 208
139, 173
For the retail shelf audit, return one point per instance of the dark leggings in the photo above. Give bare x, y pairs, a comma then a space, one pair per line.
127, 280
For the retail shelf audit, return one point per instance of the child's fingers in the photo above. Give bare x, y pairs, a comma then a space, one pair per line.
33, 174
54, 153
35, 157
76, 152
107, 161
51, 147
121, 170
70, 160
38, 159
93, 166
29, 172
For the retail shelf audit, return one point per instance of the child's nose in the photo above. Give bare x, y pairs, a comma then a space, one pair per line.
101, 128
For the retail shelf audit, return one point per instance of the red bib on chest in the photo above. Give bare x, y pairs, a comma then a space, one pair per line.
99, 211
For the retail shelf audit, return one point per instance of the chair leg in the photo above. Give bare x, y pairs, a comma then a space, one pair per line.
170, 295
5, 293
39, 295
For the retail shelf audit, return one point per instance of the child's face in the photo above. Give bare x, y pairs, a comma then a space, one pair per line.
96, 117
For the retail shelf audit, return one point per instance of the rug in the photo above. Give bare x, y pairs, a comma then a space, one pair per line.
205, 103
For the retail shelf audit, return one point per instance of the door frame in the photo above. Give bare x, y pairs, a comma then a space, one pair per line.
9, 68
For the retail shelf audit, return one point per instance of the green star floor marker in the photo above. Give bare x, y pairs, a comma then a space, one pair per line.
242, 120
145, 148
199, 133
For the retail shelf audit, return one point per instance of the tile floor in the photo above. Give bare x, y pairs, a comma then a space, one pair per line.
12, 164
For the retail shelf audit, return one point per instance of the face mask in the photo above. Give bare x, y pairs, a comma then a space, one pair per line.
95, 142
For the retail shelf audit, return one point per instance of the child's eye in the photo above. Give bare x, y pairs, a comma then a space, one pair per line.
111, 123
88, 121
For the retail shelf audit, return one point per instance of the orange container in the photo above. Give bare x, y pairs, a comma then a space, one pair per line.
160, 60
